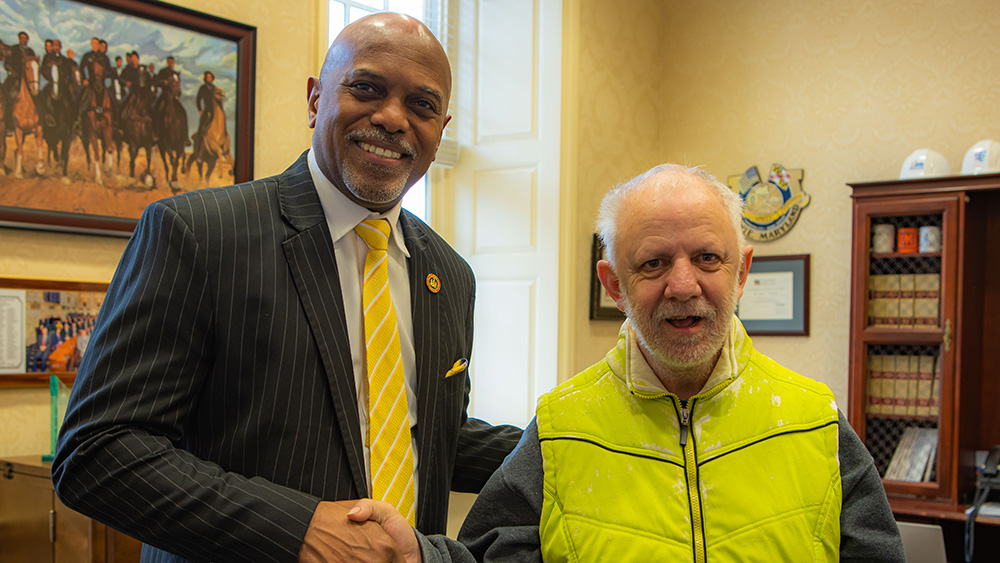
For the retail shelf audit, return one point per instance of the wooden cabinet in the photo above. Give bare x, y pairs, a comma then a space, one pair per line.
36, 527
924, 325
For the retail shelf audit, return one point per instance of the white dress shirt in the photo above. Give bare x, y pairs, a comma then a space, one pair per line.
342, 215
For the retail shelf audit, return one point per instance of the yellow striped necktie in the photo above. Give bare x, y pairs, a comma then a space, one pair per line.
391, 463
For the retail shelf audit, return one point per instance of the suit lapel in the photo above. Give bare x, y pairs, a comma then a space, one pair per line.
313, 267
428, 385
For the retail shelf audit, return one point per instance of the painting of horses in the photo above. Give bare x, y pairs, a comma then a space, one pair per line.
109, 105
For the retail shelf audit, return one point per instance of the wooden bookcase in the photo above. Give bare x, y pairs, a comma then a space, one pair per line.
956, 331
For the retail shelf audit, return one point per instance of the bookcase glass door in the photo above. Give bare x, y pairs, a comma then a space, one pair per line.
905, 338
903, 411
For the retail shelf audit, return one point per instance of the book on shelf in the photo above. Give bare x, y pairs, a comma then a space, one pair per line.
883, 301
891, 318
935, 406
902, 384
912, 385
907, 291
888, 384
925, 385
874, 384
915, 455
875, 284
926, 300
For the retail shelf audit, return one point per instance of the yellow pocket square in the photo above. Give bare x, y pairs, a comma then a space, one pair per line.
459, 367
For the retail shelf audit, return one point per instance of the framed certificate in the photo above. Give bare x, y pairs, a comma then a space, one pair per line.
775, 298
602, 306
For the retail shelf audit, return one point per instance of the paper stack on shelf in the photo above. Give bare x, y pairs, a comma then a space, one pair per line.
914, 457
988, 509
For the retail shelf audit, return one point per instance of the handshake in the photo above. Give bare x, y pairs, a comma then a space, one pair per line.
359, 530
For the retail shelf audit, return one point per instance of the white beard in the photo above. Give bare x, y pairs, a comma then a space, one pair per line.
683, 353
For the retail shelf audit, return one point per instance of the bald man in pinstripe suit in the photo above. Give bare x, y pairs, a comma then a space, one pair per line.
216, 414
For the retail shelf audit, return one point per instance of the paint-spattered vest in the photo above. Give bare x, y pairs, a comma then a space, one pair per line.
752, 476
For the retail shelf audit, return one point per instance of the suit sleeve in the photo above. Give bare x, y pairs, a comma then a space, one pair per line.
120, 456
868, 530
481, 447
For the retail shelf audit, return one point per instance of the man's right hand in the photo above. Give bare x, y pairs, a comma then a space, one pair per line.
332, 537
393, 523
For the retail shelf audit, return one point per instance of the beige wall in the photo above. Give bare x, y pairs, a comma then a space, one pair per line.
613, 108
845, 89
288, 40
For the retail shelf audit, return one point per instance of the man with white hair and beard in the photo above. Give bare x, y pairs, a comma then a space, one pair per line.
684, 443
230, 404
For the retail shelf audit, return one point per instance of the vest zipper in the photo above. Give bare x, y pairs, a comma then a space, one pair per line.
685, 418
691, 477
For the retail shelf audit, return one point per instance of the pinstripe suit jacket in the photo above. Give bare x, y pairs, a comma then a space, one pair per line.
216, 404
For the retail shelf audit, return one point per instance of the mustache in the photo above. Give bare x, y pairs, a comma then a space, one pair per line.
375, 134
700, 308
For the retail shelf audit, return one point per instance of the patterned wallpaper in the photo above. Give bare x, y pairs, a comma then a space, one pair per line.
287, 45
613, 110
843, 89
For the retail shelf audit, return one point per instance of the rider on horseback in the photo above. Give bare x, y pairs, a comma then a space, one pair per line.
52, 61
130, 78
14, 65
95, 66
206, 109
168, 81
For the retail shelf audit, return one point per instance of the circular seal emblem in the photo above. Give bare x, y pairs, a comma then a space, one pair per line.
433, 283
773, 206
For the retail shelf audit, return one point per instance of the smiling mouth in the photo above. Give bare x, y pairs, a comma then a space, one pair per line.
684, 322
379, 151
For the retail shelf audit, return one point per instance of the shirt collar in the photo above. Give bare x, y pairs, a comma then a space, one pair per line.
639, 376
342, 214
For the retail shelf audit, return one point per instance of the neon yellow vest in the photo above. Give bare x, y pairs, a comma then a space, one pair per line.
758, 478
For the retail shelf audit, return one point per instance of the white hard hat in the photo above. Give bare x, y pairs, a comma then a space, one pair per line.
924, 163
982, 158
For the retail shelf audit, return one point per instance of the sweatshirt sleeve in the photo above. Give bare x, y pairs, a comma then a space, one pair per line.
503, 522
868, 530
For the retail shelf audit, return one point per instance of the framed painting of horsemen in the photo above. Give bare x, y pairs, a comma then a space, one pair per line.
109, 105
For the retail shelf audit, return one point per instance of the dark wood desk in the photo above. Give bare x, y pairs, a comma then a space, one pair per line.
36, 527
952, 522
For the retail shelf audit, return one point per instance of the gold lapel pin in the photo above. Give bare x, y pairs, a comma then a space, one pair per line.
433, 283
458, 367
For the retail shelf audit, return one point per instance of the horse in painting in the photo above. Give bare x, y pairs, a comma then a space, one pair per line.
25, 118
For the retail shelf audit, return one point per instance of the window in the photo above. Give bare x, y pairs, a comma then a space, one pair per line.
343, 12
